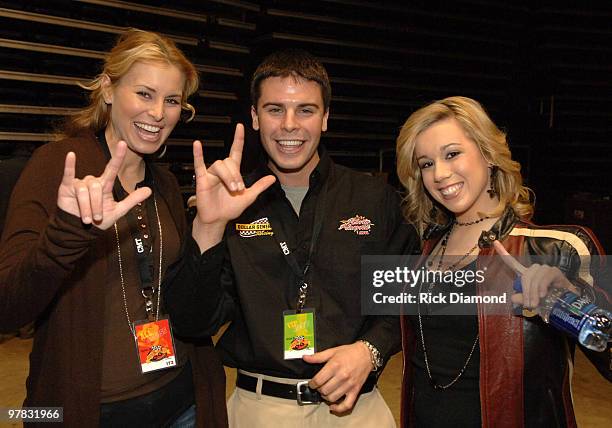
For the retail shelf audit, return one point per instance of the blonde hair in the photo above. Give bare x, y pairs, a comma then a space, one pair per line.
419, 207
132, 46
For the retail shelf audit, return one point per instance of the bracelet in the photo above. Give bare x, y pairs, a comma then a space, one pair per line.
375, 356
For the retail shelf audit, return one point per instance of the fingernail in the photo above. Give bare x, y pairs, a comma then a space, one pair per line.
240, 186
233, 186
86, 220
97, 217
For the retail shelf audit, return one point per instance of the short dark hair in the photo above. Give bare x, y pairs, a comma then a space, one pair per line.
291, 62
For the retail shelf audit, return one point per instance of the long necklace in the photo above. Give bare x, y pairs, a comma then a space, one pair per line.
161, 252
431, 380
436, 385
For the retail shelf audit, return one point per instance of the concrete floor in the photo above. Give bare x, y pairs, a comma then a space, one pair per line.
592, 393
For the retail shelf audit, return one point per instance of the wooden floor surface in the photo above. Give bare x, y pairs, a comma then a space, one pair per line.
592, 393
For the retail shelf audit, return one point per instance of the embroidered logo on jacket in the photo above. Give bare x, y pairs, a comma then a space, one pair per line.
259, 227
358, 224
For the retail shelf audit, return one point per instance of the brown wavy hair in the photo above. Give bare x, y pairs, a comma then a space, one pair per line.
132, 46
419, 207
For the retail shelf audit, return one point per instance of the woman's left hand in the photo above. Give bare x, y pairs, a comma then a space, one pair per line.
535, 279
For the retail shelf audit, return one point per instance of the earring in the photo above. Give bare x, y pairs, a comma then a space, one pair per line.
492, 192
163, 151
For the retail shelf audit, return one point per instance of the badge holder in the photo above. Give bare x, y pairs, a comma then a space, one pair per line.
154, 344
299, 333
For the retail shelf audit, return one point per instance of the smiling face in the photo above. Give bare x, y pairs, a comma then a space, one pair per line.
145, 106
290, 117
453, 170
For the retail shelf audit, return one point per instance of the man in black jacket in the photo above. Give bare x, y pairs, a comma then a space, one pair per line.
280, 259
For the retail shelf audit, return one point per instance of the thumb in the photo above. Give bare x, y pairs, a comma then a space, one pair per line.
319, 357
131, 200
261, 185
517, 299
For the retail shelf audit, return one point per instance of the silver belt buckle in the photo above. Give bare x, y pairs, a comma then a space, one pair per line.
300, 401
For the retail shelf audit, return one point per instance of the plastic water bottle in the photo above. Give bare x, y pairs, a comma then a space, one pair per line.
575, 316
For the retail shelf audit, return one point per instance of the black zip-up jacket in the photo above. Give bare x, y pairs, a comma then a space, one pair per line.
247, 280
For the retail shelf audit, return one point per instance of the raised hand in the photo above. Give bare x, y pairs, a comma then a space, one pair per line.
535, 279
345, 371
221, 195
91, 198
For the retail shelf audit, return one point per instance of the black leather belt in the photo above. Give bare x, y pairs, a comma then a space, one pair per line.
299, 391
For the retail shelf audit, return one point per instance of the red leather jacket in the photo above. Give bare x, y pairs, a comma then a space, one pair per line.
525, 364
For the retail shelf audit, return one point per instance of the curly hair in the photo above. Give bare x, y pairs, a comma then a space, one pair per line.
419, 206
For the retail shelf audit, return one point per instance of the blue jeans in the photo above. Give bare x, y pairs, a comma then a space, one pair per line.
186, 420
155, 409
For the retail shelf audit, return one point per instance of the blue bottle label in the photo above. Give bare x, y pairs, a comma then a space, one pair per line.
570, 312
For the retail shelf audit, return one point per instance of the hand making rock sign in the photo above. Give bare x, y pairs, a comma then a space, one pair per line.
221, 195
91, 198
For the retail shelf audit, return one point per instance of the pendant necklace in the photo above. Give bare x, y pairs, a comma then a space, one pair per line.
443, 245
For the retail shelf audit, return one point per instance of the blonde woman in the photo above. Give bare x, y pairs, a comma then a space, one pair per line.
464, 192
92, 227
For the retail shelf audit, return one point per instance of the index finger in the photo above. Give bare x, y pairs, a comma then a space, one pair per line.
199, 167
112, 167
510, 261
236, 150
69, 168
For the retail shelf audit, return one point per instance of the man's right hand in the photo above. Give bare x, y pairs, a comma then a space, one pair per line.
221, 195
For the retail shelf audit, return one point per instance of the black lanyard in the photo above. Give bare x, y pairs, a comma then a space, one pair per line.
142, 246
144, 255
280, 236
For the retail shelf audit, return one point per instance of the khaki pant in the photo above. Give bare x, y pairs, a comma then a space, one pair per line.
248, 409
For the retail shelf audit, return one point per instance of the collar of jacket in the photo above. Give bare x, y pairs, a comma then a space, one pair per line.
148, 181
499, 230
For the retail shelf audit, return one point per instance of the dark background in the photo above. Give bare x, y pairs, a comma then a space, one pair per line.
541, 69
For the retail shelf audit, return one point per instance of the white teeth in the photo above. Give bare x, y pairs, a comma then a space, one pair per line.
146, 127
451, 189
289, 143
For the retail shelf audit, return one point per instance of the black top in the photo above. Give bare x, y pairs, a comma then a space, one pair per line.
250, 282
449, 340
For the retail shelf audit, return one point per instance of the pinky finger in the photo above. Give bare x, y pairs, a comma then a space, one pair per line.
344, 405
